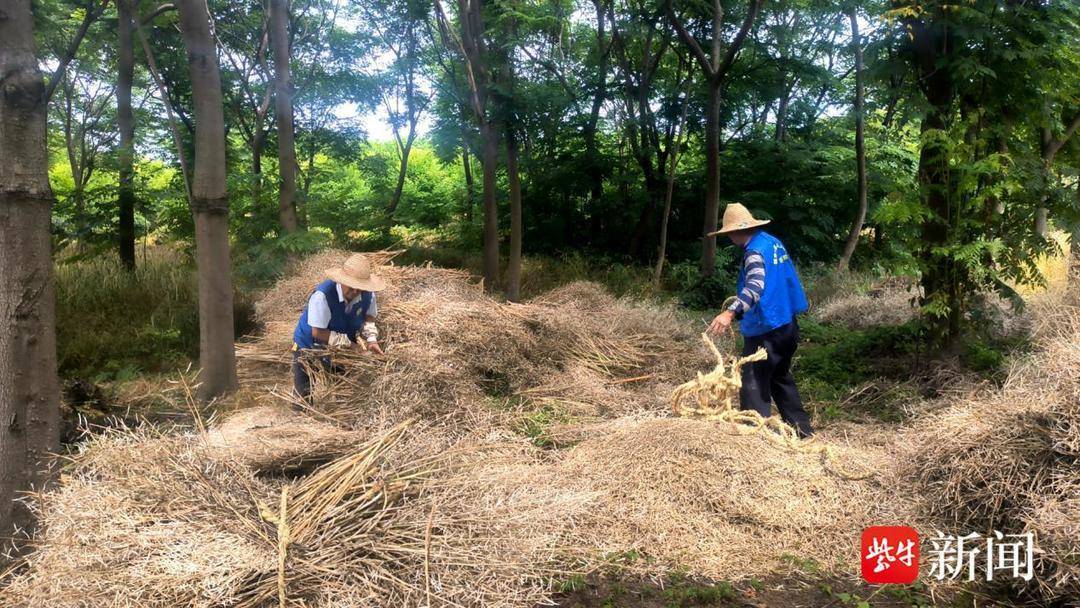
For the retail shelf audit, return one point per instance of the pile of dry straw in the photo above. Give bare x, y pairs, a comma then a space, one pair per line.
452, 352
1008, 459
410, 482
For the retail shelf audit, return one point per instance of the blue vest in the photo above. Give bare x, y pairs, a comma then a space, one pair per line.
783, 297
340, 322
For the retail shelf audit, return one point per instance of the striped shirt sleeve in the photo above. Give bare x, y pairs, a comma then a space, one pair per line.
754, 267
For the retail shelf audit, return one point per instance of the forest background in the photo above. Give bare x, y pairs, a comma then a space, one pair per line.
538, 142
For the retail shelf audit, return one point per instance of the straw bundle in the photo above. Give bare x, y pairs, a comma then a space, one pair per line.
279, 441
340, 529
145, 520
713, 395
150, 520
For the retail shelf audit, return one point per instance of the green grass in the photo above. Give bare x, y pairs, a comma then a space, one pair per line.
832, 361
114, 324
536, 424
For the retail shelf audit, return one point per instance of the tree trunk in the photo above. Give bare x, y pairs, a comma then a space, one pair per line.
712, 180
470, 188
860, 147
403, 170
669, 192
29, 390
937, 277
1042, 220
595, 170
170, 113
513, 269
210, 206
473, 48
780, 135
283, 110
932, 42
258, 140
125, 120
490, 139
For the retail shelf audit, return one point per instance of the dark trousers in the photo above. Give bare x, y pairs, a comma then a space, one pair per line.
770, 380
301, 361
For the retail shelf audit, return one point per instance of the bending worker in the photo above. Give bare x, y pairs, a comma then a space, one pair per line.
769, 297
344, 304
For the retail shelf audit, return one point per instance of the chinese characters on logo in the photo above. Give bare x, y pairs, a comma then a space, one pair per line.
961, 557
890, 554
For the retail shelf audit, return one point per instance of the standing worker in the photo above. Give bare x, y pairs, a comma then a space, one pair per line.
769, 297
344, 304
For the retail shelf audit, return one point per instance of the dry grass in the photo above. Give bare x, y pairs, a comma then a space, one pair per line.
271, 439
148, 520
408, 485
452, 351
1006, 458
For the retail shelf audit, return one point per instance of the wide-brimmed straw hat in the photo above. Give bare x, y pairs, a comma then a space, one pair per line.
356, 273
737, 217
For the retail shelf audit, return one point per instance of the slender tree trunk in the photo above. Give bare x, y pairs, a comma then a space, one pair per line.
258, 140
470, 188
669, 192
1074, 257
403, 170
283, 110
473, 49
513, 269
860, 147
596, 172
1042, 219
781, 116
712, 180
125, 120
490, 140
1047, 153
210, 206
1049, 148
163, 94
29, 390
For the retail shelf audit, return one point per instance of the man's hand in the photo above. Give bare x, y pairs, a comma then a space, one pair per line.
721, 323
374, 347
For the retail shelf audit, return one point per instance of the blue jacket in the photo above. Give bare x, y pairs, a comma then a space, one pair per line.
340, 322
783, 297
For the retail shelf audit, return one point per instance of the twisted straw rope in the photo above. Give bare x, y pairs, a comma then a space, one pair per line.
711, 397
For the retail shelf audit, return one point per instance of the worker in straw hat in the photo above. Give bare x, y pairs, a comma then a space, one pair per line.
769, 297
342, 305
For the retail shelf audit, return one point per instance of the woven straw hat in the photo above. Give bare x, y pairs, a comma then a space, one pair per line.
737, 217
356, 273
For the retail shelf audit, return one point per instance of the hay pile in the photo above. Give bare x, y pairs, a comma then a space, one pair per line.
277, 440
707, 500
351, 504
886, 304
144, 519
452, 351
1007, 459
